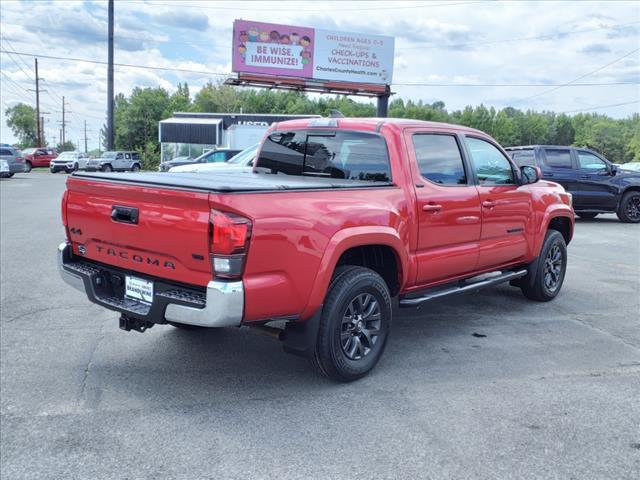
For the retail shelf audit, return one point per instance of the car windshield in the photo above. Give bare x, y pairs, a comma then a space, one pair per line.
29, 150
67, 155
109, 155
244, 156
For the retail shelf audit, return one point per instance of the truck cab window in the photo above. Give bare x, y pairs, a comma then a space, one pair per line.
589, 161
490, 165
439, 159
340, 154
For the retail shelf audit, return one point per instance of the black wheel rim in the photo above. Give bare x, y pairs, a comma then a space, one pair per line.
553, 264
633, 207
360, 328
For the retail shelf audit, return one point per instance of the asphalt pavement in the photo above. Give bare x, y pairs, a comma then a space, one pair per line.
484, 386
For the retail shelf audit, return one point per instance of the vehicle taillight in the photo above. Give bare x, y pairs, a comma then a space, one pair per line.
63, 208
230, 236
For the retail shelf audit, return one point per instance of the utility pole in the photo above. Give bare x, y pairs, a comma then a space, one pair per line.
85, 137
42, 137
39, 133
110, 122
63, 124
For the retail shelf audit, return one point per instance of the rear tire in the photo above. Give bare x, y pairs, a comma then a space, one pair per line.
27, 167
135, 168
587, 216
552, 267
355, 325
629, 208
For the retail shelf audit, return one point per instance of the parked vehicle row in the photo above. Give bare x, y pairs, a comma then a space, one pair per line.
597, 185
69, 162
220, 155
14, 159
338, 217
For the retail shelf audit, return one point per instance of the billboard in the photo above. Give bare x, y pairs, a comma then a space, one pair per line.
285, 50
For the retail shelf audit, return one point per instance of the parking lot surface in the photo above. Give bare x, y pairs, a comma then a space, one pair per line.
483, 386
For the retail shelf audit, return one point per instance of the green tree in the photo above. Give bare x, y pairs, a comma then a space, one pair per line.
67, 146
21, 119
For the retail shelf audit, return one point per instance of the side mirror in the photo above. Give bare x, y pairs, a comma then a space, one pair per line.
530, 174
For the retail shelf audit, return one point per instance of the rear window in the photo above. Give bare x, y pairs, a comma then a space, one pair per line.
559, 158
330, 154
523, 157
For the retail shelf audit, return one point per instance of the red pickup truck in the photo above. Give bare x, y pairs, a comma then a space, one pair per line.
38, 157
339, 218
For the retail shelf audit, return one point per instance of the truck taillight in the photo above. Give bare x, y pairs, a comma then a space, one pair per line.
230, 236
63, 209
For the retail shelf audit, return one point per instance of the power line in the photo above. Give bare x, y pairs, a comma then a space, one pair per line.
521, 39
580, 77
418, 84
204, 72
359, 9
128, 65
601, 106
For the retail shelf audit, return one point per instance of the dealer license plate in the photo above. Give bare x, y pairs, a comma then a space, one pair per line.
139, 289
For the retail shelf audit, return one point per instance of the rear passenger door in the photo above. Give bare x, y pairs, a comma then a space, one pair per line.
506, 206
448, 206
558, 166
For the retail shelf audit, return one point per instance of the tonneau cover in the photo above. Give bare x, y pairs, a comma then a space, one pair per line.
228, 181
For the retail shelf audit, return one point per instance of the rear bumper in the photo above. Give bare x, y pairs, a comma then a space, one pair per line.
220, 304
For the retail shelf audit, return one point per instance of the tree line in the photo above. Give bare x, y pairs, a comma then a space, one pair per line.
137, 117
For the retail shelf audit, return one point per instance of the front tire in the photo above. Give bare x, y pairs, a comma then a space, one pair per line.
552, 267
106, 168
629, 209
135, 168
27, 167
355, 325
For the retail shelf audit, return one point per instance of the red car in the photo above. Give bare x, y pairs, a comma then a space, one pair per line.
38, 157
339, 217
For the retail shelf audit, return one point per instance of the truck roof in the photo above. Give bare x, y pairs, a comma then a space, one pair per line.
370, 123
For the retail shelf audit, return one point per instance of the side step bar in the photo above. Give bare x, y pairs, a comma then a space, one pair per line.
465, 286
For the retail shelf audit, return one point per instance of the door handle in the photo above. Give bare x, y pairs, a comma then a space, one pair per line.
488, 204
432, 207
124, 214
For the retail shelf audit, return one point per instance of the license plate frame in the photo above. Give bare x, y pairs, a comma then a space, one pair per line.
139, 289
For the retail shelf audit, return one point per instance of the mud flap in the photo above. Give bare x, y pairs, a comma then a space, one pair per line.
300, 337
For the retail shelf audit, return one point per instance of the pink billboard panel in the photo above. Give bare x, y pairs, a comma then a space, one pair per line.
272, 49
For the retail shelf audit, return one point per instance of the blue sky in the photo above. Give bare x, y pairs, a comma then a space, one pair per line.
446, 41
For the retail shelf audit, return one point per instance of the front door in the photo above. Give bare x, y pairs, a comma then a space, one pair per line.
506, 206
448, 207
595, 189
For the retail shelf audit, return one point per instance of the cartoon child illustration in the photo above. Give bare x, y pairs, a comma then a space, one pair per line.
253, 34
244, 38
285, 40
295, 38
242, 49
305, 41
264, 37
275, 36
306, 57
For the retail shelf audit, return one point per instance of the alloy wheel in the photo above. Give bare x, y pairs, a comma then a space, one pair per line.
633, 208
553, 264
360, 326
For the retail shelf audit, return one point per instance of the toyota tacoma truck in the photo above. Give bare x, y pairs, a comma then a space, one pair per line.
338, 219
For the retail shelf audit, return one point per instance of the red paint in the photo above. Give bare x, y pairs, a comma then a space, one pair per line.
438, 233
41, 157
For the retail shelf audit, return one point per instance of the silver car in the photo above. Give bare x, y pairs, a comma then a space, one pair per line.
69, 162
118, 161
14, 159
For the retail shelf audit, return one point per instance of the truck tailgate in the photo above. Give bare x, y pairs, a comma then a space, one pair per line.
168, 239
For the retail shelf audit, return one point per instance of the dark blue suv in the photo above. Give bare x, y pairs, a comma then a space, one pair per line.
596, 184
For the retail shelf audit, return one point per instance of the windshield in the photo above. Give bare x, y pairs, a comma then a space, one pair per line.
109, 155
29, 150
66, 155
248, 154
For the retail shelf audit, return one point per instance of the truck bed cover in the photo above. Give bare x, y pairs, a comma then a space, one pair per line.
228, 182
